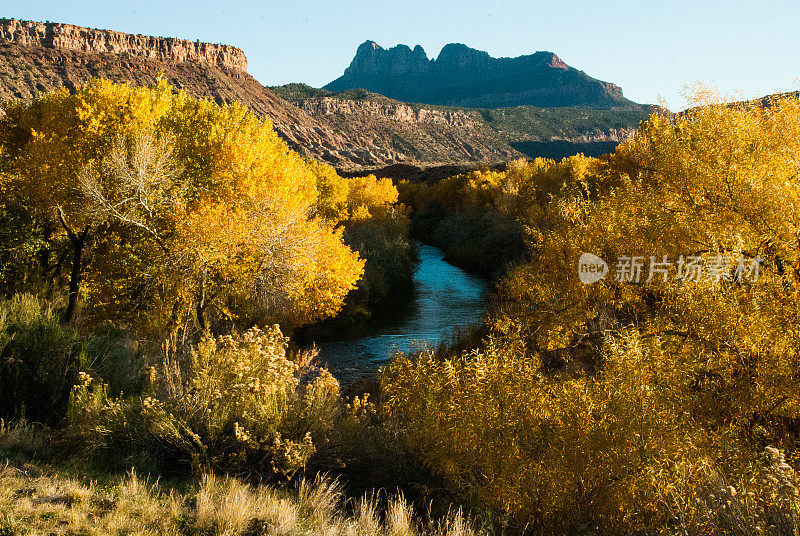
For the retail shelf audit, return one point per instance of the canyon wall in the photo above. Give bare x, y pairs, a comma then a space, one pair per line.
68, 37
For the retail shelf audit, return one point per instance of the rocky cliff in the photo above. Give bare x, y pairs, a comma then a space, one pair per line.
68, 37
40, 57
463, 76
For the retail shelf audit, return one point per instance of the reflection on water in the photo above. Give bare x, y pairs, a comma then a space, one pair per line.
446, 299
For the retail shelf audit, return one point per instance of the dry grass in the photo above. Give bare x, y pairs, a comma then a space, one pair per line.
24, 438
36, 501
47, 504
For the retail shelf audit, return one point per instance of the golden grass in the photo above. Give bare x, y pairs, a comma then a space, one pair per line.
41, 501
47, 504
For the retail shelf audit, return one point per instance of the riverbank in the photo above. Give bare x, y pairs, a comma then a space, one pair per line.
445, 301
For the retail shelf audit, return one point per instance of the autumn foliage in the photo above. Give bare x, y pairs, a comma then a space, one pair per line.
670, 404
180, 240
173, 212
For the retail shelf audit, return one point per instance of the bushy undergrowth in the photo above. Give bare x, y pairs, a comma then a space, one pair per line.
666, 404
567, 452
235, 403
39, 361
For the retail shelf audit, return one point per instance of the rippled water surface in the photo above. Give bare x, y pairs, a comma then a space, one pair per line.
446, 299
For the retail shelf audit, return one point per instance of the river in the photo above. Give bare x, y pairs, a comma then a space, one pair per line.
446, 300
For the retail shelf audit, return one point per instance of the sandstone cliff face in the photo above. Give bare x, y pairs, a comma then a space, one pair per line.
391, 110
463, 76
69, 37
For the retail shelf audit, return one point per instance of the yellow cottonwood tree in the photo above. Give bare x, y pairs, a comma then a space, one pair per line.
192, 213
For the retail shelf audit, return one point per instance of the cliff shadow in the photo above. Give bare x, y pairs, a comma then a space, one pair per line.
558, 149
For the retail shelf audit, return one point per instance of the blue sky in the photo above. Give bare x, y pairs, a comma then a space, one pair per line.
651, 49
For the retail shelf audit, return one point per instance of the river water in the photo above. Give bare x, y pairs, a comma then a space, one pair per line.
446, 300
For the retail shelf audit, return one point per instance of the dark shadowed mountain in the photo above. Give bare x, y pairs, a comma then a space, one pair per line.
463, 76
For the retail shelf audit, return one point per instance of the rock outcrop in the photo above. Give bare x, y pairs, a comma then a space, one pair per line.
410, 133
68, 37
426, 134
463, 76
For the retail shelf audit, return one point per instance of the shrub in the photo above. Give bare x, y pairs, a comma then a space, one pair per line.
561, 451
390, 261
25, 439
113, 356
236, 403
39, 361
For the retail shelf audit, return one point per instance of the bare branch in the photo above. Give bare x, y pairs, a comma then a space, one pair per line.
135, 182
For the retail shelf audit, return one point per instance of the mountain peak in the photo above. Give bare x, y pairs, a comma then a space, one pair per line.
373, 60
556, 62
368, 46
460, 56
464, 76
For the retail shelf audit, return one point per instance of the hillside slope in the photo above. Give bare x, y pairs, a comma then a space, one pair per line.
39, 57
445, 135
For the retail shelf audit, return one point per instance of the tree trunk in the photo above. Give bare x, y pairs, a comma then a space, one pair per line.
78, 242
75, 275
201, 304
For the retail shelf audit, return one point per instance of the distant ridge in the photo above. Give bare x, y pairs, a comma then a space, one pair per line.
352, 130
464, 76
430, 134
